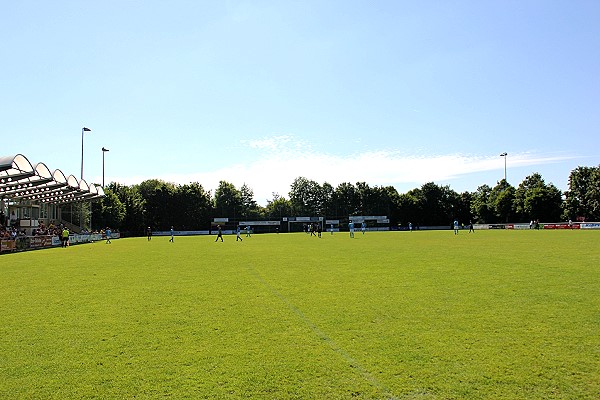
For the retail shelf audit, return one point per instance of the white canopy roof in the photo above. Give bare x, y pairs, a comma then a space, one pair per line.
19, 179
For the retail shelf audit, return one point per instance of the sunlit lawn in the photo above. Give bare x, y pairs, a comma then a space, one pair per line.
422, 315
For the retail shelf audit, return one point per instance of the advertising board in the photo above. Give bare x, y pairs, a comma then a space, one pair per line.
7, 245
561, 226
37, 242
260, 223
590, 225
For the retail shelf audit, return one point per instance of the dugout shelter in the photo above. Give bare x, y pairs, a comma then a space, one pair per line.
297, 224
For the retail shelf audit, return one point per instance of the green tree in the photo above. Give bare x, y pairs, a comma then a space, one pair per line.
463, 207
534, 199
582, 200
277, 208
480, 205
228, 201
429, 205
306, 197
389, 203
192, 207
544, 203
344, 200
110, 211
250, 208
131, 198
410, 208
501, 201
365, 198
325, 200
158, 198
439, 204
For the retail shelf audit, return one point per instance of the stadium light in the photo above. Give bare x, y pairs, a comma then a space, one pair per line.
84, 129
504, 155
104, 150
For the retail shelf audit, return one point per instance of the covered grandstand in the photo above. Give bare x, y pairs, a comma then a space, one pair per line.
32, 195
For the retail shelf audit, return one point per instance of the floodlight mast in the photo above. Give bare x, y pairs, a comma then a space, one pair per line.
84, 129
104, 150
505, 154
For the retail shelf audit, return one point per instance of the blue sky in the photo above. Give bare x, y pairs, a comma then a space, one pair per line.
260, 92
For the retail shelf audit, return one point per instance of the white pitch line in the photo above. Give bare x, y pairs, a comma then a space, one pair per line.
323, 336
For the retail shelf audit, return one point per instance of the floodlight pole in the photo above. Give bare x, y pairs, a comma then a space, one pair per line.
104, 150
84, 129
505, 154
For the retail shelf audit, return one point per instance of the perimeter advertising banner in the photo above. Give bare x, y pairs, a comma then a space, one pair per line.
590, 225
518, 226
561, 226
7, 245
381, 219
40, 242
22, 242
177, 233
260, 223
37, 242
302, 219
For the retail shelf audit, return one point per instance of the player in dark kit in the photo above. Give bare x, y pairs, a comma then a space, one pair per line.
149, 233
219, 233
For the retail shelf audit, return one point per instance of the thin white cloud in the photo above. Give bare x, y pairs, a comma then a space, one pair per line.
280, 162
272, 143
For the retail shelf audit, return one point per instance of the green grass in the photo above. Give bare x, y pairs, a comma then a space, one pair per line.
422, 315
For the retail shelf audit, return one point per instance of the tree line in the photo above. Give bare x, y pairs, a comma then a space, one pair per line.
161, 204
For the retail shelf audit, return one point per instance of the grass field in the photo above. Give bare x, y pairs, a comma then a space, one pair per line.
390, 315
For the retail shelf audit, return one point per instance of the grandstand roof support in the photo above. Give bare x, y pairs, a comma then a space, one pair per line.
20, 180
